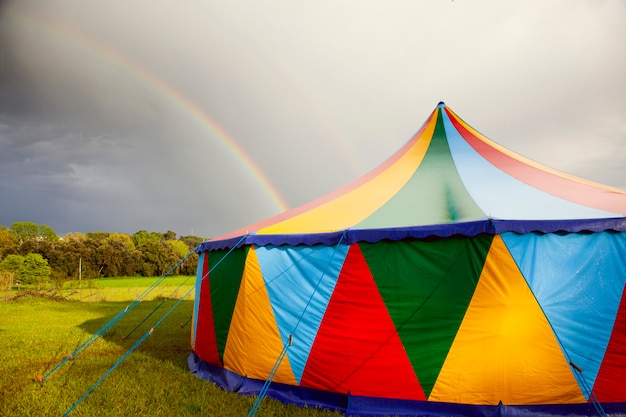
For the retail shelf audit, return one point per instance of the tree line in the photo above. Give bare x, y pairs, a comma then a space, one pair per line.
33, 253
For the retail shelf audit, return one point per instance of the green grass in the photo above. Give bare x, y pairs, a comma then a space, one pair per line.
130, 282
129, 288
36, 333
110, 289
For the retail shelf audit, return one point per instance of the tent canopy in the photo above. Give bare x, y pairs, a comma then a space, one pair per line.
451, 176
456, 278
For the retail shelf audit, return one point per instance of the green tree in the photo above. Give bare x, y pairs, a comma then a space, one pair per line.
142, 237
120, 241
8, 243
114, 255
66, 256
179, 247
189, 266
192, 241
47, 233
87, 249
34, 269
98, 253
8, 267
12, 263
156, 258
77, 236
25, 230
97, 235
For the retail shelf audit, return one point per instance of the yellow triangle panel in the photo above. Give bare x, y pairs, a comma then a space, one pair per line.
254, 343
505, 349
363, 197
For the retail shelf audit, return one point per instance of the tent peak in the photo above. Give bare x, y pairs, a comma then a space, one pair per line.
441, 104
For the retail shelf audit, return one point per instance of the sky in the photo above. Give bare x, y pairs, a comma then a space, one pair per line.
202, 117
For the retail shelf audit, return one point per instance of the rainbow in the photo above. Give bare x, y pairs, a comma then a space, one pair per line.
80, 39
278, 65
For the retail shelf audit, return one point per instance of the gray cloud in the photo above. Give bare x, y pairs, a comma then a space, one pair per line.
123, 116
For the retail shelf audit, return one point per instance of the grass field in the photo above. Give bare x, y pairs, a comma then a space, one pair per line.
112, 289
37, 333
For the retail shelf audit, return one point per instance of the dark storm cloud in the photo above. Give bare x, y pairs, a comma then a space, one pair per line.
113, 118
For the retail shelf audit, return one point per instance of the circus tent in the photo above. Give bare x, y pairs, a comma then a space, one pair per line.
456, 277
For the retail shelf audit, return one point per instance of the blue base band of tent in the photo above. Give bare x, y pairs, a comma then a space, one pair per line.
355, 406
232, 382
487, 226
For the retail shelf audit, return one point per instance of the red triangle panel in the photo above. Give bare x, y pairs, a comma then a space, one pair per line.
357, 348
610, 383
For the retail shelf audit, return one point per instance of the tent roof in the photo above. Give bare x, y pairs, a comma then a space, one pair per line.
447, 179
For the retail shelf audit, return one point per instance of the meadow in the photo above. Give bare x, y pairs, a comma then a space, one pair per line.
38, 330
111, 289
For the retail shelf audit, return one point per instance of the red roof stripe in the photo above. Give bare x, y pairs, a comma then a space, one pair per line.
570, 189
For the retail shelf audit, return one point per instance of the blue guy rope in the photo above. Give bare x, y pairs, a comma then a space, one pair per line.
577, 371
186, 322
113, 321
106, 374
268, 381
306, 307
128, 352
144, 319
155, 309
148, 333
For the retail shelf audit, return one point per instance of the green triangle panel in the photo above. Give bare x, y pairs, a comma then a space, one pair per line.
357, 349
225, 278
426, 287
434, 194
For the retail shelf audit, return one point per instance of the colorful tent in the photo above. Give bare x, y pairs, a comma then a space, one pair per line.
455, 278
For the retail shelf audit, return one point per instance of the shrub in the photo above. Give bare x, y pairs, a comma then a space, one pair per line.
12, 263
34, 270
6, 280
